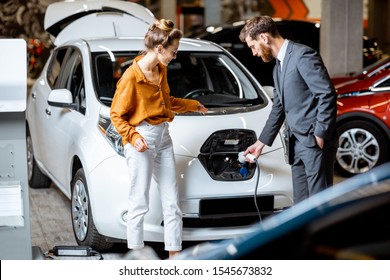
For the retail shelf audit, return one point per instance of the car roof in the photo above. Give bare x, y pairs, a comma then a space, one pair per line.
137, 44
87, 19
306, 32
240, 24
384, 62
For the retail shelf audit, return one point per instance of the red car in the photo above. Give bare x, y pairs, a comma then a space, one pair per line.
369, 71
363, 119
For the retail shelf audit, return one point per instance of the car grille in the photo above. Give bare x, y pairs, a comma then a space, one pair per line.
220, 222
223, 212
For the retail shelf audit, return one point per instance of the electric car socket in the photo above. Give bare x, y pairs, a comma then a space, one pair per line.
242, 158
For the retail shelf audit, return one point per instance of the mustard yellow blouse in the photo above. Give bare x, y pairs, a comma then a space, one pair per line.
136, 99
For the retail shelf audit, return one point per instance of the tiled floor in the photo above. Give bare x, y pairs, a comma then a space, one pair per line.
50, 219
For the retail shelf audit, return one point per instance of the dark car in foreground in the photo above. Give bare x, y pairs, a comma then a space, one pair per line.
363, 120
305, 32
346, 222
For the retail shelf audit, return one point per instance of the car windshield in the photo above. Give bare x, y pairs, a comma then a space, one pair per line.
211, 78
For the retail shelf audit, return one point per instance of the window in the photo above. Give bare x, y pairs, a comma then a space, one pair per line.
385, 84
54, 68
70, 76
211, 78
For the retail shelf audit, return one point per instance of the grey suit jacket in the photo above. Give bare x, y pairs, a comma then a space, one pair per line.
304, 96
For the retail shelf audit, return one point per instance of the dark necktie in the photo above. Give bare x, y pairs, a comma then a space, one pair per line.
279, 68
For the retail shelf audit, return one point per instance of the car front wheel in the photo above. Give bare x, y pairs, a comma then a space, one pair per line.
84, 228
362, 146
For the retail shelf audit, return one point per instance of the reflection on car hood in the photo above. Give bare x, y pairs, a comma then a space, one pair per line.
190, 132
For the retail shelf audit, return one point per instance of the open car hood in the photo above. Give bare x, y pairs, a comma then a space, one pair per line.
86, 19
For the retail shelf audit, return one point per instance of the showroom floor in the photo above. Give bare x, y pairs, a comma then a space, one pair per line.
51, 225
51, 222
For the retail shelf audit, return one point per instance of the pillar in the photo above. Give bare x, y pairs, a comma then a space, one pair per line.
168, 10
341, 44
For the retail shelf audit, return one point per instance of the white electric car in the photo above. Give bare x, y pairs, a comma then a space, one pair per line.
71, 142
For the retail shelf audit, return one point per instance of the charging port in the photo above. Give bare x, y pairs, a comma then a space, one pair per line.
219, 155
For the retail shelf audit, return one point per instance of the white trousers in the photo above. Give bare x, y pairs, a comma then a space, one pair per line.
157, 162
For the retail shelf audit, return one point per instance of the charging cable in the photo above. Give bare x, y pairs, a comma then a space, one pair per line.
257, 185
251, 158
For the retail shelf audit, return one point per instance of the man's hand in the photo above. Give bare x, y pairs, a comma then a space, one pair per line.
320, 141
255, 149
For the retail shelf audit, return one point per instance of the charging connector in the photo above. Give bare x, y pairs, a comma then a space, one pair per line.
242, 158
251, 158
72, 251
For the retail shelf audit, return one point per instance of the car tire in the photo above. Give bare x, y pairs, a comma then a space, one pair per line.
83, 225
362, 146
36, 179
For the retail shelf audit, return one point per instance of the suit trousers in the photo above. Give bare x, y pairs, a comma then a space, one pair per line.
156, 162
312, 169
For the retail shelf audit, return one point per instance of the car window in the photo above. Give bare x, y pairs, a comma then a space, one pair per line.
211, 78
384, 85
194, 77
107, 71
54, 68
229, 39
71, 77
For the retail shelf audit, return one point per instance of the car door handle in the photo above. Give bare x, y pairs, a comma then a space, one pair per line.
48, 111
34, 95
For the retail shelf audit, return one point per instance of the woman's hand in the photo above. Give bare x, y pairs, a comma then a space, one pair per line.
140, 145
202, 108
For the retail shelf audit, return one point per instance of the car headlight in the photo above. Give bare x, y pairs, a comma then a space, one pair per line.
111, 135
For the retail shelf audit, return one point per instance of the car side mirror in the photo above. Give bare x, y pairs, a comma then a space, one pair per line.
61, 98
269, 90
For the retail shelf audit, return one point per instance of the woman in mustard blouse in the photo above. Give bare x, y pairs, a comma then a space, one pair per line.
141, 110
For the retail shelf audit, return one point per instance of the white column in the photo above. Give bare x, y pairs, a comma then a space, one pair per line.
341, 35
168, 9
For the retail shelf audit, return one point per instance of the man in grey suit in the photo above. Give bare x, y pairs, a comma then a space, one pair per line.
304, 100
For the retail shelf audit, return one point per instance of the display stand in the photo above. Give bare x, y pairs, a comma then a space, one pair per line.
15, 230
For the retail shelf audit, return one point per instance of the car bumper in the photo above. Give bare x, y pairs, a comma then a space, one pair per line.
109, 184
